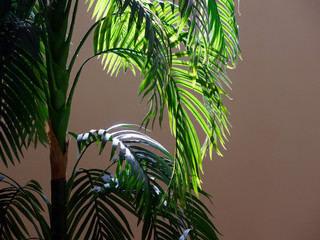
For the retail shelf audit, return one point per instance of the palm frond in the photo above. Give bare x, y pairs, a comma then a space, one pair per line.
22, 109
141, 184
224, 35
131, 36
197, 71
205, 37
94, 216
137, 167
99, 198
19, 205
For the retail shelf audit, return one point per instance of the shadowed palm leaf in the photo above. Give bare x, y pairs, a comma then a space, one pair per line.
141, 185
21, 106
94, 216
18, 205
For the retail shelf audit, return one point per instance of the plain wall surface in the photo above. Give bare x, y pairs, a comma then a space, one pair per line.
267, 186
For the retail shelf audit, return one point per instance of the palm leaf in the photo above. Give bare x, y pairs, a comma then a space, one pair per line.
137, 167
192, 77
91, 216
100, 199
224, 36
20, 205
205, 37
201, 35
141, 184
22, 109
131, 36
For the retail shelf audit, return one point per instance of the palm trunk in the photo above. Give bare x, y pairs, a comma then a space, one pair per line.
58, 209
58, 161
58, 81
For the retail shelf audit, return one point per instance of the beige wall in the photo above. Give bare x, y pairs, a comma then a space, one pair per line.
268, 184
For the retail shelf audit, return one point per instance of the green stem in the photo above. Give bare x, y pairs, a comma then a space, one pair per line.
83, 40
88, 59
75, 9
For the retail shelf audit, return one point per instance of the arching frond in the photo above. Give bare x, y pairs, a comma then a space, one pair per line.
191, 78
183, 99
140, 184
94, 216
201, 40
99, 197
21, 105
20, 205
131, 27
137, 166
224, 35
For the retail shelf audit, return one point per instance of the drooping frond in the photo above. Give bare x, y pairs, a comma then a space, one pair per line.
140, 184
201, 40
210, 113
93, 216
192, 78
224, 35
21, 99
138, 168
20, 205
131, 36
99, 197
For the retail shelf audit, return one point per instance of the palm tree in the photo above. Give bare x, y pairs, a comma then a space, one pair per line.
181, 49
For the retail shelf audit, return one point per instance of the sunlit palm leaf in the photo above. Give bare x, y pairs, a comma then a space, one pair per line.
189, 78
224, 36
206, 37
22, 111
131, 26
20, 205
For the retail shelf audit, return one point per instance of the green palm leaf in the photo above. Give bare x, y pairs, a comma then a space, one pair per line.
93, 216
19, 205
130, 35
22, 108
181, 49
224, 36
141, 184
136, 165
206, 38
190, 77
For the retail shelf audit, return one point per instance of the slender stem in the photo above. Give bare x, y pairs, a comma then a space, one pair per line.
49, 67
74, 14
68, 6
87, 60
83, 40
71, 180
74, 84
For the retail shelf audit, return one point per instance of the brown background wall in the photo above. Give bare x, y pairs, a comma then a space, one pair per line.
268, 184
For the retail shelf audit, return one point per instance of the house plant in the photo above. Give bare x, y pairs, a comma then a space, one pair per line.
181, 50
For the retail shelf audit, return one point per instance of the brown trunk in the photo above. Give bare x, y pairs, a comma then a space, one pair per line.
58, 161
